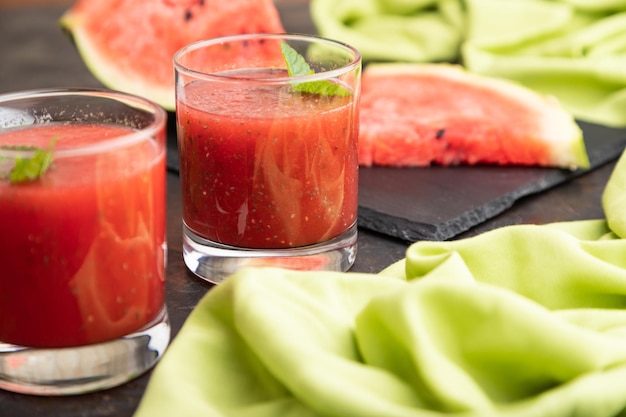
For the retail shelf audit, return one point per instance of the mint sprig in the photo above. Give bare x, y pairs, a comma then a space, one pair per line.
297, 66
30, 169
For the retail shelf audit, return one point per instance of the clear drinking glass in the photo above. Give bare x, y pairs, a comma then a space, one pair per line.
82, 253
268, 161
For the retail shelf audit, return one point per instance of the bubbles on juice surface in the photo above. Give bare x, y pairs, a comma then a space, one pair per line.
253, 94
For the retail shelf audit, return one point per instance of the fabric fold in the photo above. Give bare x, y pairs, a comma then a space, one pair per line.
574, 50
383, 30
521, 321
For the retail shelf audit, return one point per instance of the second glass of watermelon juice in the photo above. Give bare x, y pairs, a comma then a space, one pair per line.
82, 240
268, 157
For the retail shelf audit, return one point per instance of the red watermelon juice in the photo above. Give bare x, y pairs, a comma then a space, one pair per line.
82, 247
267, 138
266, 167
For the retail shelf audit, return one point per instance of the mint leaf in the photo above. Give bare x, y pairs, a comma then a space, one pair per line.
297, 66
323, 87
30, 169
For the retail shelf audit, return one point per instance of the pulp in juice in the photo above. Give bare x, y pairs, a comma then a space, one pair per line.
265, 167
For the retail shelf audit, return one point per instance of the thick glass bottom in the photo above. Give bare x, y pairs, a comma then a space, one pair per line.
214, 262
82, 369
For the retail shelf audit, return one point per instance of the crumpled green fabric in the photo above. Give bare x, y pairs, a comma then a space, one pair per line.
525, 320
574, 50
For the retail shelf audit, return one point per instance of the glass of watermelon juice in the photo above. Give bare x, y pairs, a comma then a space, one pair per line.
267, 137
82, 247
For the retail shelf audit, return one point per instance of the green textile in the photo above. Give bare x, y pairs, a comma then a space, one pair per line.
525, 320
574, 50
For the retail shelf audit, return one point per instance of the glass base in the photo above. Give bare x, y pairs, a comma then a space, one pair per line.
82, 369
214, 262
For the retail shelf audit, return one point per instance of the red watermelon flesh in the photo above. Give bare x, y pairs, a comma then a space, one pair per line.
425, 114
129, 44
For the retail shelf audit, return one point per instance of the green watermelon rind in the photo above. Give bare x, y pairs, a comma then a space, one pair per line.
567, 144
109, 75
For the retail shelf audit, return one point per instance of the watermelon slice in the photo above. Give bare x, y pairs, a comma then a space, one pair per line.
425, 114
129, 44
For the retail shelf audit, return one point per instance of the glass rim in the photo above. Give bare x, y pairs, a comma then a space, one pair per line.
124, 140
322, 75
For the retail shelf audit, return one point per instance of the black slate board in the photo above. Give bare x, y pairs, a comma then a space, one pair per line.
438, 203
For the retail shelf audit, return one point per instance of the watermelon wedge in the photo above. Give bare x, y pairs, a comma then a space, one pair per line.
440, 114
129, 44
